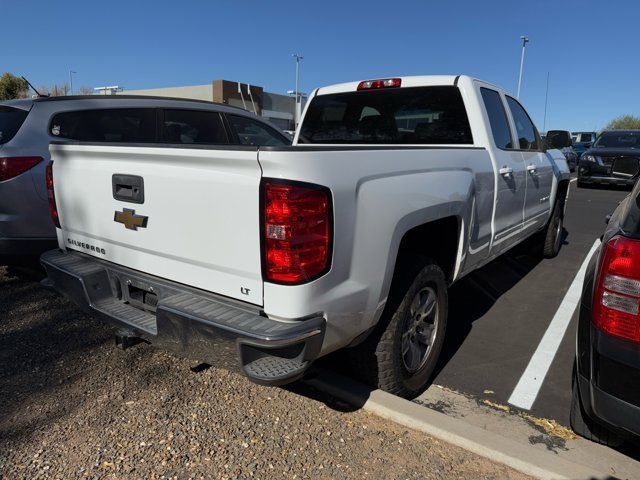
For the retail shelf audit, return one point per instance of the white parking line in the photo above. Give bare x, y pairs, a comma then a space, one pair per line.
531, 380
573, 180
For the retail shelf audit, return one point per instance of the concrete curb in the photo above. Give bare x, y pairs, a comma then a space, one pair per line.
523, 458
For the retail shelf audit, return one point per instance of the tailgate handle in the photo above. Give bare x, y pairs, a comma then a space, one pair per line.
128, 188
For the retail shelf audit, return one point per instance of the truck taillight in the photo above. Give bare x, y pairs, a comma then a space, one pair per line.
616, 304
13, 166
53, 209
383, 83
296, 231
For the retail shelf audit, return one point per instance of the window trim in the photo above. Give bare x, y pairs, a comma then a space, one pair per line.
540, 148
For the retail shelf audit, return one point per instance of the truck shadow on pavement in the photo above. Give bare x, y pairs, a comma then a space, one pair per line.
474, 295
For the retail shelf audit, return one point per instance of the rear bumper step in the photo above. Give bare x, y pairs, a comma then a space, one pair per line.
213, 329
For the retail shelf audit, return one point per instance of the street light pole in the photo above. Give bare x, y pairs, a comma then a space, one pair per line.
525, 40
296, 115
546, 98
71, 72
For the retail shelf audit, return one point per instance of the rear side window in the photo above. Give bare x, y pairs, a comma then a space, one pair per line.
11, 119
254, 133
527, 136
415, 115
196, 127
131, 125
497, 118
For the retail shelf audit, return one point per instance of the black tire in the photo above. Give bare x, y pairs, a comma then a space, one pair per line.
587, 427
380, 359
553, 231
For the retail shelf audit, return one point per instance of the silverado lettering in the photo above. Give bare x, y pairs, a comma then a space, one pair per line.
86, 246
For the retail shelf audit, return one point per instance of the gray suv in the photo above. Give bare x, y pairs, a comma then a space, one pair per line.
28, 126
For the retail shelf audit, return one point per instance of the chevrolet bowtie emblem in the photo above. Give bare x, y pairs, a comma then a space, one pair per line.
130, 220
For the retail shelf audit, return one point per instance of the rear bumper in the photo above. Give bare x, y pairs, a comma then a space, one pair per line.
214, 329
18, 250
617, 415
608, 374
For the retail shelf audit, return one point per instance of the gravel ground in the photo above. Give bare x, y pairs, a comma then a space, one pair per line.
74, 406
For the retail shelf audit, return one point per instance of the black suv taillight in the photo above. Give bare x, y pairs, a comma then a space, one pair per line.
616, 304
296, 231
11, 167
53, 209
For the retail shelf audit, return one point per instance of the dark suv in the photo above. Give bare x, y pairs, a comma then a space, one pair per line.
606, 388
27, 127
614, 159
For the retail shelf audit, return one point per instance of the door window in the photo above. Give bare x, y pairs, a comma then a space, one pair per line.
194, 127
251, 132
527, 135
497, 118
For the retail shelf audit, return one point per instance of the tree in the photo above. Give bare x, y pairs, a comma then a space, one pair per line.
12, 87
624, 122
55, 90
84, 90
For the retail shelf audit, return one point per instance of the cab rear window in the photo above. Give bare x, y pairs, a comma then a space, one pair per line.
11, 119
415, 115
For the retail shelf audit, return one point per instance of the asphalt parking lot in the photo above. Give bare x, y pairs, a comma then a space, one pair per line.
500, 313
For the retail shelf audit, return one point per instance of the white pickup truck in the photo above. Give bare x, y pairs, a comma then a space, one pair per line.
267, 258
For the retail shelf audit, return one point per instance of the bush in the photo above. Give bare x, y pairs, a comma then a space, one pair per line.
624, 122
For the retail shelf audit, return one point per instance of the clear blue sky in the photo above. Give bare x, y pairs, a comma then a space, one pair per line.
590, 47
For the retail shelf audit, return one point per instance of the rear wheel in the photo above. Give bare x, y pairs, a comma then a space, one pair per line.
553, 231
585, 426
401, 353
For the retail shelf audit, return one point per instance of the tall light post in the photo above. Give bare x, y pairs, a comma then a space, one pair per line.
71, 72
546, 98
525, 40
296, 116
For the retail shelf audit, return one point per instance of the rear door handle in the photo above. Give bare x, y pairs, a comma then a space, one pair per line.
532, 168
505, 171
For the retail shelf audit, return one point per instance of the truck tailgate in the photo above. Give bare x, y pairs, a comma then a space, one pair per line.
201, 205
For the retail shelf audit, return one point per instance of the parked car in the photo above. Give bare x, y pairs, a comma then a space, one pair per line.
606, 397
266, 259
561, 139
614, 159
582, 141
26, 229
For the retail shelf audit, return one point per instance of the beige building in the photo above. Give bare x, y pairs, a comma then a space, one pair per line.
278, 109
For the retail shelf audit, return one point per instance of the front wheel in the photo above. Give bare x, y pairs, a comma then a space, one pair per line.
553, 231
401, 354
